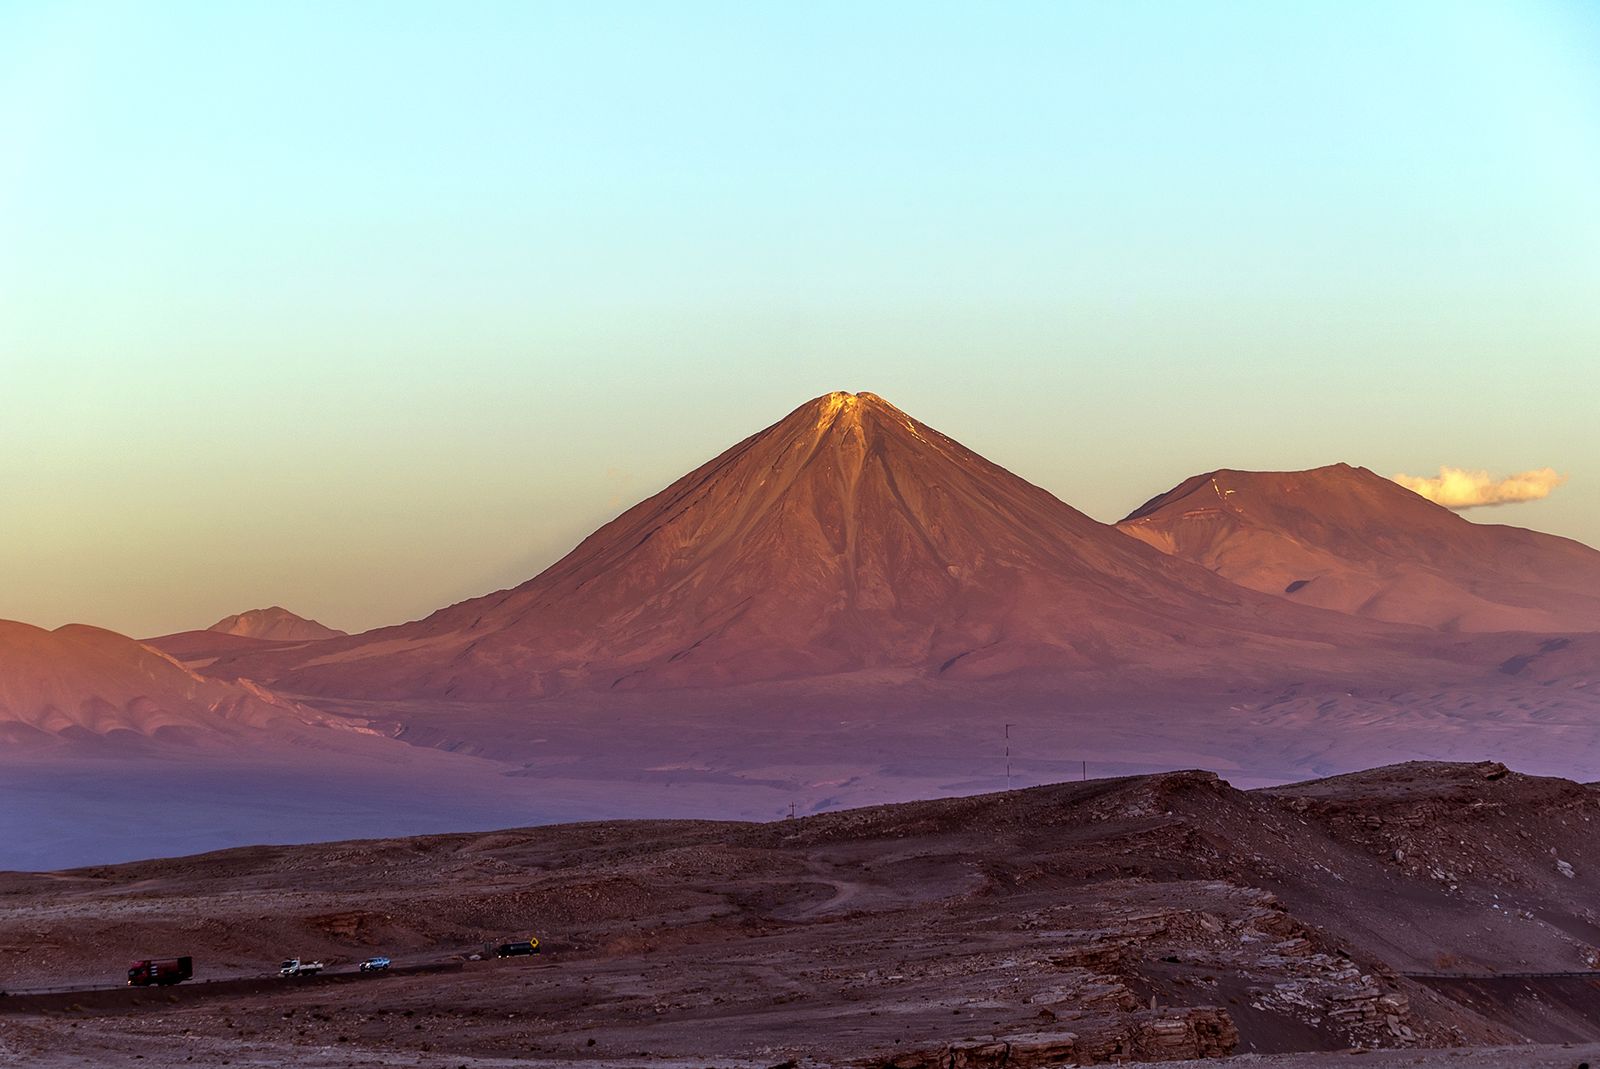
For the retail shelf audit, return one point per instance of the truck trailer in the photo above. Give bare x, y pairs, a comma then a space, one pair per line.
161, 971
517, 949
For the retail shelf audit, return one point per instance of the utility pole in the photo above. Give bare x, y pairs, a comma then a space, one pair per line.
1086, 772
1008, 757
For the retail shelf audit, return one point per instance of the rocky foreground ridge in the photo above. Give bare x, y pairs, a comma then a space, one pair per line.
1152, 918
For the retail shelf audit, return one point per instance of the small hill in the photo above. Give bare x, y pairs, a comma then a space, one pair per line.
253, 631
1347, 539
275, 624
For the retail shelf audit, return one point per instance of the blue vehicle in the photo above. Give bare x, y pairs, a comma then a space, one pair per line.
374, 964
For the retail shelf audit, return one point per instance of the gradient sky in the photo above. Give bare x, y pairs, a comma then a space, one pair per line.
365, 308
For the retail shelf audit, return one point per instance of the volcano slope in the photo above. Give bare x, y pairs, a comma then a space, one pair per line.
1155, 917
1347, 539
848, 537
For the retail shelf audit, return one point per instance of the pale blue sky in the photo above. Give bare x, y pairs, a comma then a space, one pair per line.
363, 308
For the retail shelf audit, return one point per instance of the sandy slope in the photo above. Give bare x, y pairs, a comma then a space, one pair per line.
86, 683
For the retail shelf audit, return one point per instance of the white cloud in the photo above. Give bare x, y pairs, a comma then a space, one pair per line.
1457, 488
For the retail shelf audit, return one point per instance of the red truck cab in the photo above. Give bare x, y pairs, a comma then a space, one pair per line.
160, 971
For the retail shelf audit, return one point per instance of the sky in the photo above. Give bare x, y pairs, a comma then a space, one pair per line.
367, 308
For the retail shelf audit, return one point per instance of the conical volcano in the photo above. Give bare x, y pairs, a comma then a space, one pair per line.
1345, 538
847, 536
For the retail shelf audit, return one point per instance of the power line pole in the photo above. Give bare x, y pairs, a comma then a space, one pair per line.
1008, 757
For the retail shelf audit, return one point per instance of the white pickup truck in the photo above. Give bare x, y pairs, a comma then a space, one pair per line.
296, 967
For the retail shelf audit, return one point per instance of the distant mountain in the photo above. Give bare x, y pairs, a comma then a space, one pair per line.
258, 629
1347, 539
80, 682
275, 624
846, 537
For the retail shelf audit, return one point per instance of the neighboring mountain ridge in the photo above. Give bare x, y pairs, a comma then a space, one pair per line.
846, 537
79, 683
1347, 539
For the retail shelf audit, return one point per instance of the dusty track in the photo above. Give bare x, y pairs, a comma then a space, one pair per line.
132, 999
